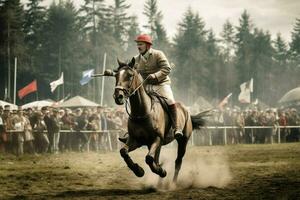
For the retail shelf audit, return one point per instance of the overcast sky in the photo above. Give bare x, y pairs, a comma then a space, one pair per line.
273, 15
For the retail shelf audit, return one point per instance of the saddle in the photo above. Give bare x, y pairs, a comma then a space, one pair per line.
155, 97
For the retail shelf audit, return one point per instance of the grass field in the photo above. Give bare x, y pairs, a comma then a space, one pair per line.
216, 172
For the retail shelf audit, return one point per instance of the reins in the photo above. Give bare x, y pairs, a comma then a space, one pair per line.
136, 118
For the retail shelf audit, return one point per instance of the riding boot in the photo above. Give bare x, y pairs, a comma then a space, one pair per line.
124, 138
175, 121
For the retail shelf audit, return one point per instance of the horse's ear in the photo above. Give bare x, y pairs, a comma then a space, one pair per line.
119, 62
132, 62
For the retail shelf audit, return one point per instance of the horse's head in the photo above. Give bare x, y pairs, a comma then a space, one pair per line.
126, 79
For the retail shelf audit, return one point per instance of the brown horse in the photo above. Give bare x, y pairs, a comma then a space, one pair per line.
149, 123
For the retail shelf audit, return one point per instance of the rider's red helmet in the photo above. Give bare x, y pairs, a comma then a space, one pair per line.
144, 38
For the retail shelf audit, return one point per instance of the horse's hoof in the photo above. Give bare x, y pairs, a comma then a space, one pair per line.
163, 173
138, 171
149, 159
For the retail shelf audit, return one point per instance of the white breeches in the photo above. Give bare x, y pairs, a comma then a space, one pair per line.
163, 90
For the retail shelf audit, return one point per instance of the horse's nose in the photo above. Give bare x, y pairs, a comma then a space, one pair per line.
119, 97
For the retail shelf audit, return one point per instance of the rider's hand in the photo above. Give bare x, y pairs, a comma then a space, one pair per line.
151, 78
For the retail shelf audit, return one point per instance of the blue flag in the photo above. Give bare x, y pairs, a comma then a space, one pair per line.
86, 76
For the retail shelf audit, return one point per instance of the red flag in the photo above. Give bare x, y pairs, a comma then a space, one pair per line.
31, 87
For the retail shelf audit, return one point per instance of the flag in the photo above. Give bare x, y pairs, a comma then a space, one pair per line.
86, 76
61, 101
54, 84
246, 89
31, 87
255, 102
224, 101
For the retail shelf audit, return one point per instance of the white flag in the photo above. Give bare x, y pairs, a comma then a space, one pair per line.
86, 76
246, 89
54, 84
224, 101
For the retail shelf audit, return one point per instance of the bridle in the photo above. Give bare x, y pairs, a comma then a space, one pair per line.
128, 94
126, 91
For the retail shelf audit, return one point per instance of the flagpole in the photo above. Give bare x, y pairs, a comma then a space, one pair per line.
59, 69
63, 88
102, 88
15, 80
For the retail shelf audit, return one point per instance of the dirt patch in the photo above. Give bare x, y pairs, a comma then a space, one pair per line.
217, 172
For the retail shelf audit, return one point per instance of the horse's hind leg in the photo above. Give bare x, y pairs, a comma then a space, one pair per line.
131, 146
182, 143
152, 158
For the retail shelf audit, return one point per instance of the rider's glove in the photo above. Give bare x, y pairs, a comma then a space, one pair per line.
152, 79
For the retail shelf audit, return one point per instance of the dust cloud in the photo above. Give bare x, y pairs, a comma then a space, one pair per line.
200, 168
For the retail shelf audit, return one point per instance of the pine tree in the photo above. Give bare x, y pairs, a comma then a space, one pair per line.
227, 41
133, 31
213, 64
60, 42
120, 20
95, 23
191, 35
92, 13
244, 42
161, 41
282, 70
34, 20
262, 65
151, 12
228, 80
11, 41
280, 50
295, 43
190, 56
154, 25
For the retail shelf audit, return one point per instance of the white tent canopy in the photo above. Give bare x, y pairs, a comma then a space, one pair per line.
200, 105
78, 101
38, 104
12, 106
291, 96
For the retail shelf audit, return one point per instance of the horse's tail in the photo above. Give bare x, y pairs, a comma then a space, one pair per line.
198, 120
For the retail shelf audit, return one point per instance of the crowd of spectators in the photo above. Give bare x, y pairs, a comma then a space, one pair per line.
267, 123
52, 130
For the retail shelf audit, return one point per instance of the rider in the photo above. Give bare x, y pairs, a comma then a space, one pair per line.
153, 65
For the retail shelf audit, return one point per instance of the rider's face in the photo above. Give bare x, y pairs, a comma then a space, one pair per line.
142, 47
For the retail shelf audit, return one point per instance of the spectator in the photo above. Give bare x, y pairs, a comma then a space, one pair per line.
282, 121
41, 137
82, 123
54, 131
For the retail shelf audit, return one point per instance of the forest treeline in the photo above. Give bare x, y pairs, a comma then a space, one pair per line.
62, 38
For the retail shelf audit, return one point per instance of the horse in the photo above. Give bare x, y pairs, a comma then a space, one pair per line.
149, 123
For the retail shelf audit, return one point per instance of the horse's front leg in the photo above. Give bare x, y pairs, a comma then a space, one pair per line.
152, 158
182, 143
131, 145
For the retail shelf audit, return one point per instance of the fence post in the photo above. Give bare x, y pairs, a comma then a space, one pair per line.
252, 138
109, 140
225, 136
210, 140
278, 135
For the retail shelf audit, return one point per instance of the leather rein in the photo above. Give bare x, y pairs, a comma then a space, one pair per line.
128, 94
